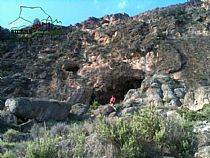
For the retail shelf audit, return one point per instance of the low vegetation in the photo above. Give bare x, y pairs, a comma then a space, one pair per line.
10, 136
8, 154
94, 105
145, 134
202, 115
42, 148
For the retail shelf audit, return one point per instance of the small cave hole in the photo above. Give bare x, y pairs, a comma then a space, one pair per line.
118, 89
73, 67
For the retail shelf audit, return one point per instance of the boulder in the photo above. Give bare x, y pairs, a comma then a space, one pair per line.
81, 95
8, 118
131, 94
40, 110
79, 109
202, 128
203, 152
168, 94
196, 99
203, 139
154, 96
103, 110
134, 100
129, 110
203, 132
7, 121
180, 92
176, 103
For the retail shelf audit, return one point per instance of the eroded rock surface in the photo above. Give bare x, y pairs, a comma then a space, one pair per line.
40, 110
203, 130
111, 54
158, 90
196, 99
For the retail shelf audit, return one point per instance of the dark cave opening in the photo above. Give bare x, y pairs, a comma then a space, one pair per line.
118, 89
71, 66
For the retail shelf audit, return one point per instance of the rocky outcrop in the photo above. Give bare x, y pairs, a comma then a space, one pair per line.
15, 86
92, 23
158, 90
203, 152
81, 95
40, 110
203, 140
7, 121
104, 110
196, 99
79, 109
129, 110
8, 118
112, 54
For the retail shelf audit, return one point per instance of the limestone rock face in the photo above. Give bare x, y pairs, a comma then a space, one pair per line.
40, 110
15, 85
81, 95
196, 99
111, 55
203, 130
158, 90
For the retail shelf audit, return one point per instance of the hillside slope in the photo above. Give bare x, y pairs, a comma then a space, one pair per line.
109, 55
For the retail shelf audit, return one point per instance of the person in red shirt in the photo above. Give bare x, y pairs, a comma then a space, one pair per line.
112, 102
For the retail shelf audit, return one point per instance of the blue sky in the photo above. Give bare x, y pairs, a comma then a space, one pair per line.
73, 11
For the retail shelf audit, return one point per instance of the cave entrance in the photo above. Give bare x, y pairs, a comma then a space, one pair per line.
118, 88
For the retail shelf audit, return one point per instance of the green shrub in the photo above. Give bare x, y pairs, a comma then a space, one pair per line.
179, 139
205, 112
11, 136
119, 107
201, 115
78, 137
42, 148
17, 148
8, 154
132, 137
60, 129
146, 134
94, 106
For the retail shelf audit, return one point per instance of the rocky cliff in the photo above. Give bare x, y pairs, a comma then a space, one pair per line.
158, 59
110, 55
